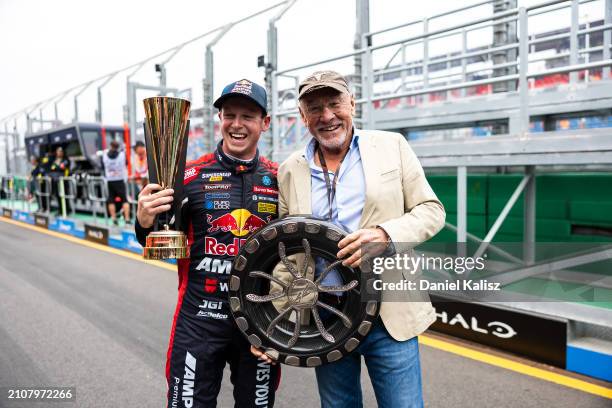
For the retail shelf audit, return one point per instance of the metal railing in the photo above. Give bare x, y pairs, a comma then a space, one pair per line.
97, 193
21, 193
67, 195
446, 73
6, 187
43, 194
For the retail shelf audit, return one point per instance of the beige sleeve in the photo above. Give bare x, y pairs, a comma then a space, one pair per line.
424, 214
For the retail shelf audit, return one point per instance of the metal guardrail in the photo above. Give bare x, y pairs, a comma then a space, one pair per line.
418, 78
6, 187
67, 194
21, 192
43, 193
97, 193
81, 185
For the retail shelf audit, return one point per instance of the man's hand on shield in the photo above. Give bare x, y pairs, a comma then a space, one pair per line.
352, 245
152, 201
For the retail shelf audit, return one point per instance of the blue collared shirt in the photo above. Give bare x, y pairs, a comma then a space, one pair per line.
348, 200
350, 188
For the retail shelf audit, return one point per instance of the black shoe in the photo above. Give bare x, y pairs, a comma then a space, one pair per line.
115, 222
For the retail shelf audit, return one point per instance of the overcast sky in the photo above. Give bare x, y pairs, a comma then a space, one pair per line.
49, 46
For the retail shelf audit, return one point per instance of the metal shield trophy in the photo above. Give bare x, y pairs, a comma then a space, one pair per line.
166, 120
280, 305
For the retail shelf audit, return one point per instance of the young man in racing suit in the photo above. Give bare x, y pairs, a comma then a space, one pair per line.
228, 194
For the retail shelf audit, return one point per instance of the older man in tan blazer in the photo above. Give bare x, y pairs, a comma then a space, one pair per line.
371, 184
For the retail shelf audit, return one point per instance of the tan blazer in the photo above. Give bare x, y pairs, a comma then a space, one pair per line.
398, 199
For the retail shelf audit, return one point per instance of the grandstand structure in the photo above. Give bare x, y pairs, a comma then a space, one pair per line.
509, 108
458, 92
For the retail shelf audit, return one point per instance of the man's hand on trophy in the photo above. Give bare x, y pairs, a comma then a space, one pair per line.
260, 354
152, 201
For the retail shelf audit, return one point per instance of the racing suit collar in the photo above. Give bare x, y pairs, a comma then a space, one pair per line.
236, 165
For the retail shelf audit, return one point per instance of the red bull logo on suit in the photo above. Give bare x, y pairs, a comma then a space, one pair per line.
239, 222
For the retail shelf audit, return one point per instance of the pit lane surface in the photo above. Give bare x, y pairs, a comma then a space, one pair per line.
73, 315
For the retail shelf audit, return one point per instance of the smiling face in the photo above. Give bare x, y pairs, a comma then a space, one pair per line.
242, 122
328, 115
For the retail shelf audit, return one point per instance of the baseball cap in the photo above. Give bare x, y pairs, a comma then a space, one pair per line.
246, 89
323, 79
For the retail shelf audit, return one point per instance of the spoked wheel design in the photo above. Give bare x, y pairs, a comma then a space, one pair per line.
282, 301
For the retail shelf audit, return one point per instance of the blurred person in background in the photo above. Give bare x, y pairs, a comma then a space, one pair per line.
140, 170
37, 172
59, 167
114, 163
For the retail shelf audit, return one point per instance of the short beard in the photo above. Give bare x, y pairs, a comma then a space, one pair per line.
333, 146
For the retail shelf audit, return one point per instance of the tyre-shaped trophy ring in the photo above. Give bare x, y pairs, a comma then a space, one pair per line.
304, 317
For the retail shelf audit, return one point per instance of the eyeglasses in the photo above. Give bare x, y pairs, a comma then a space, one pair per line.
335, 105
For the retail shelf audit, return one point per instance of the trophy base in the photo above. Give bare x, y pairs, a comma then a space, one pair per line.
166, 244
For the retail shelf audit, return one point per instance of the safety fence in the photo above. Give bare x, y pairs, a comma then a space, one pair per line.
66, 196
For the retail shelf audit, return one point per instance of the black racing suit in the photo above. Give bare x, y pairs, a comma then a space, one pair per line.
227, 200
